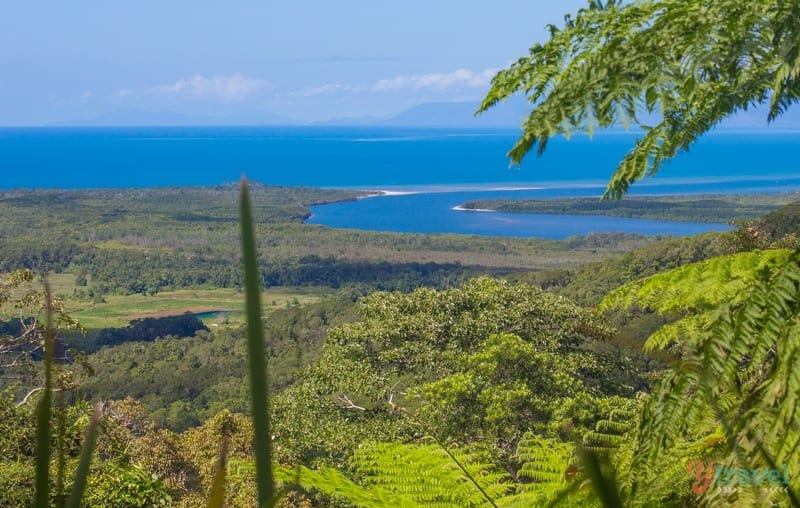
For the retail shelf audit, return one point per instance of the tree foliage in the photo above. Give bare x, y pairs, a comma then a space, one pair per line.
691, 63
22, 309
476, 366
733, 397
150, 329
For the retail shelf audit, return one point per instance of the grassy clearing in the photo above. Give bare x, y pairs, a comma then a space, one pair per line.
119, 310
62, 284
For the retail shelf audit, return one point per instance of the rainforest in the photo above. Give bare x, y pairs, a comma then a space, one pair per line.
169, 341
410, 354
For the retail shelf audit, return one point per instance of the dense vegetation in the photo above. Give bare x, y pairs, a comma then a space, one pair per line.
701, 208
149, 329
480, 392
127, 241
504, 377
182, 382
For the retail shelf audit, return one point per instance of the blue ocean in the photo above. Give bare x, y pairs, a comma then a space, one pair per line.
429, 171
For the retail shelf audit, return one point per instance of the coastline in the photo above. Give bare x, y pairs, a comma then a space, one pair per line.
460, 208
382, 193
707, 208
442, 213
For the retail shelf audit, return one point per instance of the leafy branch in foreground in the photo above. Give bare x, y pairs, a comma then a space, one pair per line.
690, 63
23, 312
735, 393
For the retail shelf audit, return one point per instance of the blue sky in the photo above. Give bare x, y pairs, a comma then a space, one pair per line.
302, 59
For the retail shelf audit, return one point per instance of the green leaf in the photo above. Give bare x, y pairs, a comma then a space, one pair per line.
256, 354
692, 62
82, 473
44, 410
216, 499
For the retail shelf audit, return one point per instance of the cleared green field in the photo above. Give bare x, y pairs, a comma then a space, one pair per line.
62, 284
119, 310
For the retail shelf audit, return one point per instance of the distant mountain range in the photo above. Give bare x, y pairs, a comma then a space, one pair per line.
141, 118
438, 114
507, 114
448, 114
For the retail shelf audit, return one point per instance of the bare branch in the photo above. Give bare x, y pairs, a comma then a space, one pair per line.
348, 404
394, 407
28, 395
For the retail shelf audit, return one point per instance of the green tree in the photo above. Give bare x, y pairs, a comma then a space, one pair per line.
691, 63
22, 310
509, 387
478, 366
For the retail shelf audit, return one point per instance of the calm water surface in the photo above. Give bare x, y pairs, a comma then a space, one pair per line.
464, 162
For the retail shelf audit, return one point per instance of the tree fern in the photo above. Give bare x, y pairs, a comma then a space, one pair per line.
432, 475
333, 483
549, 468
738, 370
413, 475
612, 431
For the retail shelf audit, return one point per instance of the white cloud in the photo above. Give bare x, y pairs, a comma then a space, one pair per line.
85, 96
328, 89
232, 88
434, 82
463, 78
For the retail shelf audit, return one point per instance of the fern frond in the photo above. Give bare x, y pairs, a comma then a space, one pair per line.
335, 484
550, 472
429, 475
683, 330
699, 286
738, 369
544, 460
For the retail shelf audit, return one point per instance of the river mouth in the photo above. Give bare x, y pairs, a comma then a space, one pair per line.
438, 212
